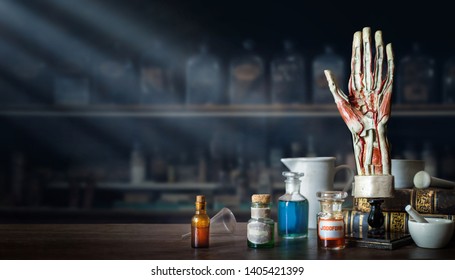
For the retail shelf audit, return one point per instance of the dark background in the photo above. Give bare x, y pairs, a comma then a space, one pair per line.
184, 24
56, 30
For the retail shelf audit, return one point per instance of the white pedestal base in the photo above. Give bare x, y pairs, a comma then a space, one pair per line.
375, 186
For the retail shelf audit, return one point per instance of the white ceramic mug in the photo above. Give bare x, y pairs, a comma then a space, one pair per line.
318, 175
403, 171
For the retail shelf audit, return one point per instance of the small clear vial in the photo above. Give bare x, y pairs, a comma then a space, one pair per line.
330, 220
292, 209
260, 228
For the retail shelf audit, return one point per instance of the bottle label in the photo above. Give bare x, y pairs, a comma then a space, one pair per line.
330, 229
259, 233
247, 83
260, 212
247, 72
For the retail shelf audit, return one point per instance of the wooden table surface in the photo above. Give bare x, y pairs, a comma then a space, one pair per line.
163, 241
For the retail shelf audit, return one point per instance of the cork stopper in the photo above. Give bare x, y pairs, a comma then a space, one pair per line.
200, 198
260, 198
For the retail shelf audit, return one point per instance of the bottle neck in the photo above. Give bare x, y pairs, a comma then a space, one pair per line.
292, 185
200, 208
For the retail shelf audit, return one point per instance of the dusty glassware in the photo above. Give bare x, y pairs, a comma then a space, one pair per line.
287, 76
260, 228
330, 220
204, 78
416, 78
247, 80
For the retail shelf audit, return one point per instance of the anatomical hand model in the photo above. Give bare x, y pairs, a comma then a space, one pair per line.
366, 109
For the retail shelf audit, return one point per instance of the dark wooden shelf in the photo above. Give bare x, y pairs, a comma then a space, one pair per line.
224, 111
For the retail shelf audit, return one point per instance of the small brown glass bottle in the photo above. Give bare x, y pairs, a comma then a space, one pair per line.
200, 225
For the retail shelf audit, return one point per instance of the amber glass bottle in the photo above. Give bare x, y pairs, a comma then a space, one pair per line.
200, 225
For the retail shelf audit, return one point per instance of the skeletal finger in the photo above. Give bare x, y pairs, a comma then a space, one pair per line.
337, 93
356, 61
368, 75
379, 61
390, 66
386, 91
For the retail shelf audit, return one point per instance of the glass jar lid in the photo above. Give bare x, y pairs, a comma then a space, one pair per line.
332, 195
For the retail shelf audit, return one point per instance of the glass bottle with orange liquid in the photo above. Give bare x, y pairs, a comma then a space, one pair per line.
330, 220
200, 225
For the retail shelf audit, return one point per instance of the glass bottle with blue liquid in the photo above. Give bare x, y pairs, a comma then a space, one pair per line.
292, 209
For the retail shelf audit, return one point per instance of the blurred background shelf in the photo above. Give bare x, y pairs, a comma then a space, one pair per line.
148, 186
207, 111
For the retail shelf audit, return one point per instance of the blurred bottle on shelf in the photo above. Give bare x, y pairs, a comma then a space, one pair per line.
137, 164
39, 179
18, 177
448, 83
155, 76
241, 181
72, 79
239, 175
264, 180
202, 166
26, 78
247, 77
159, 165
276, 167
253, 173
115, 78
287, 75
416, 78
204, 78
221, 156
329, 60
311, 149
186, 169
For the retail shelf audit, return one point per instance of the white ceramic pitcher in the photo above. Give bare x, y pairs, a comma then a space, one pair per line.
318, 175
